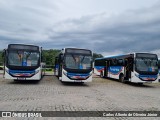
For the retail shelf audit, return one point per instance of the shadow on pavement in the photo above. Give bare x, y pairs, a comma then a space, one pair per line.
75, 84
25, 82
146, 85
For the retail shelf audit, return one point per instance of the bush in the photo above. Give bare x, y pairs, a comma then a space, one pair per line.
49, 69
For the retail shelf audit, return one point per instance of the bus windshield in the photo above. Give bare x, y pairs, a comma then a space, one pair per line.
23, 58
145, 64
73, 61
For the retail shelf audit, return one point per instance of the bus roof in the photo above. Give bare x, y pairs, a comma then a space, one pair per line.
76, 50
121, 56
23, 46
115, 56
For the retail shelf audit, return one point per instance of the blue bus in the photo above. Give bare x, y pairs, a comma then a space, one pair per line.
136, 67
74, 65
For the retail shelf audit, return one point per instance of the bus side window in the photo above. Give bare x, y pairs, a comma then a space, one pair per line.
120, 62
114, 62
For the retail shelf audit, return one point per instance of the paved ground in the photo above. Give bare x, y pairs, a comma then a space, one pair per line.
100, 95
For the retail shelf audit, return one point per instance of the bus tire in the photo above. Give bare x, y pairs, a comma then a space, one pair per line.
60, 78
140, 84
101, 74
121, 78
81, 83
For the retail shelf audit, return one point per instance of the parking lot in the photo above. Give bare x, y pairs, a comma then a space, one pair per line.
50, 94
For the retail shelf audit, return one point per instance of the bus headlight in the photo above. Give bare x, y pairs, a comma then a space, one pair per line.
65, 73
7, 71
36, 71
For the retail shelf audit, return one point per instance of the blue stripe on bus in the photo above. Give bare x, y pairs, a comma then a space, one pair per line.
147, 77
99, 68
20, 73
78, 76
115, 70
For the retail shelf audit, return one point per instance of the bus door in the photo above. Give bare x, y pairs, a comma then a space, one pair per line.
129, 67
108, 63
106, 68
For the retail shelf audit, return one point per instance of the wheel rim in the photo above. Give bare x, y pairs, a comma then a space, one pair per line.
101, 75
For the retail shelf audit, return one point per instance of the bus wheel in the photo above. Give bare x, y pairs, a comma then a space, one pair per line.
101, 75
140, 84
121, 78
81, 83
60, 78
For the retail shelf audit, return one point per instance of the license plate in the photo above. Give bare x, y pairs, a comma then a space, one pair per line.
21, 78
77, 81
149, 81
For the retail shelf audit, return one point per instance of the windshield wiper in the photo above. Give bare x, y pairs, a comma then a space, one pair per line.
28, 56
83, 59
73, 58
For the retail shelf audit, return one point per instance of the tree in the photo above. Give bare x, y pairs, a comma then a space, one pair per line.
49, 56
1, 58
96, 55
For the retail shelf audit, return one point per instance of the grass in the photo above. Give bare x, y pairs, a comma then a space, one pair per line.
48, 69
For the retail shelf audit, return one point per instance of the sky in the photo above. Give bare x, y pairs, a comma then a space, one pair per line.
107, 27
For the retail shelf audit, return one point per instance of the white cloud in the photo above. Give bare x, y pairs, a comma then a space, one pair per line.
105, 26
157, 51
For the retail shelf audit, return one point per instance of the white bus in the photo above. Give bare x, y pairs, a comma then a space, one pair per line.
74, 65
23, 62
136, 67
